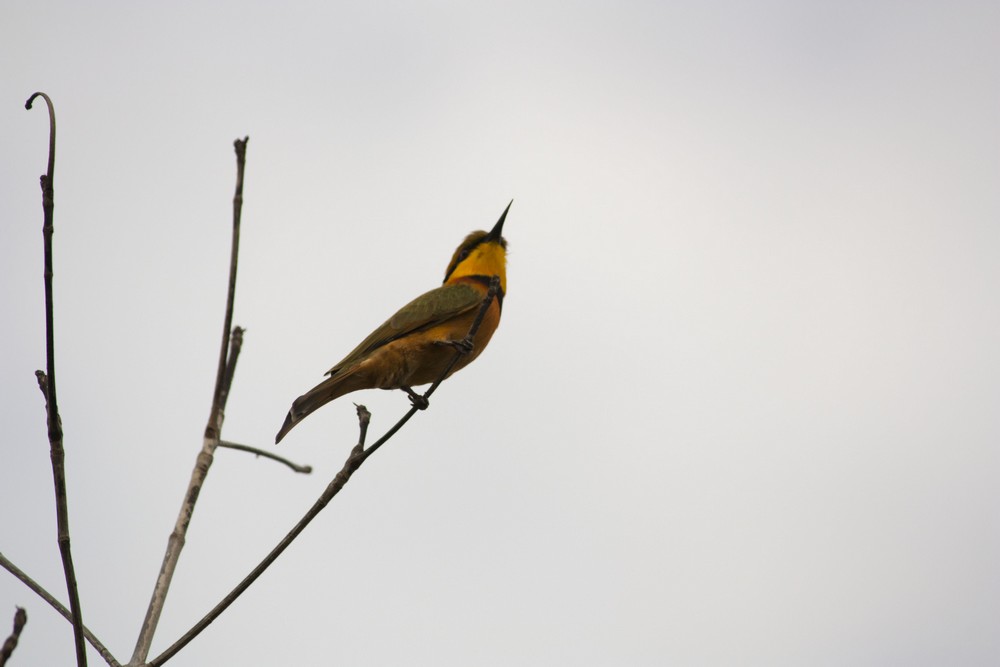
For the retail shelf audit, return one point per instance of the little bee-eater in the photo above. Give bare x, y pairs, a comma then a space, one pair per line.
415, 345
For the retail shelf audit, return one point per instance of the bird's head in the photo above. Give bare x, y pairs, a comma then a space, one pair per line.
481, 254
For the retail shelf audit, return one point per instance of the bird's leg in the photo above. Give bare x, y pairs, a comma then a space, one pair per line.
416, 400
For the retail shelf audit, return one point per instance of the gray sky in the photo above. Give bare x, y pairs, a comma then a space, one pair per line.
742, 406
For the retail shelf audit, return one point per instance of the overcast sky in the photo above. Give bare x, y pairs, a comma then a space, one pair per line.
742, 408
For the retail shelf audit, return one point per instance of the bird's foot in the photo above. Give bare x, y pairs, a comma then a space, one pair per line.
416, 400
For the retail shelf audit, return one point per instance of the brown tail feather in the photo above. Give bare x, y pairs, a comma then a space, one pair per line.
317, 397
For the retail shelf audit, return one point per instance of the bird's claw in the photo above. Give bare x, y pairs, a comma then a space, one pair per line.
416, 400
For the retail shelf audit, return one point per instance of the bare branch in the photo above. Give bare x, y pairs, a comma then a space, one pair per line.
357, 456
221, 387
213, 430
20, 618
58, 606
305, 469
56, 451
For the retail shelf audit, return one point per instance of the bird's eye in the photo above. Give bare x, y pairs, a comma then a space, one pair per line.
462, 255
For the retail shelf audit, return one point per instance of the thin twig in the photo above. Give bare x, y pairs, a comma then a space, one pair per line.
213, 430
221, 388
357, 456
59, 607
56, 451
305, 469
20, 618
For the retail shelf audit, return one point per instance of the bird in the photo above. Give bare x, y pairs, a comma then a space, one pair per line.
415, 346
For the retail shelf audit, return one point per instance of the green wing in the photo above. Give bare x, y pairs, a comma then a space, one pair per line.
425, 311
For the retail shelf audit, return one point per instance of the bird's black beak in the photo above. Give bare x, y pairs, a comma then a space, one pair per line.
494, 234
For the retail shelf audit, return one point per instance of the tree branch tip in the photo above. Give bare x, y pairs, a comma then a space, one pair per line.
8, 646
48, 102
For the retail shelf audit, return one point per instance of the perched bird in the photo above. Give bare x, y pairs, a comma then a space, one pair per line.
415, 345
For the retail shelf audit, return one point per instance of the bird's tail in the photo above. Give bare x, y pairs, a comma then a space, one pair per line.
326, 391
